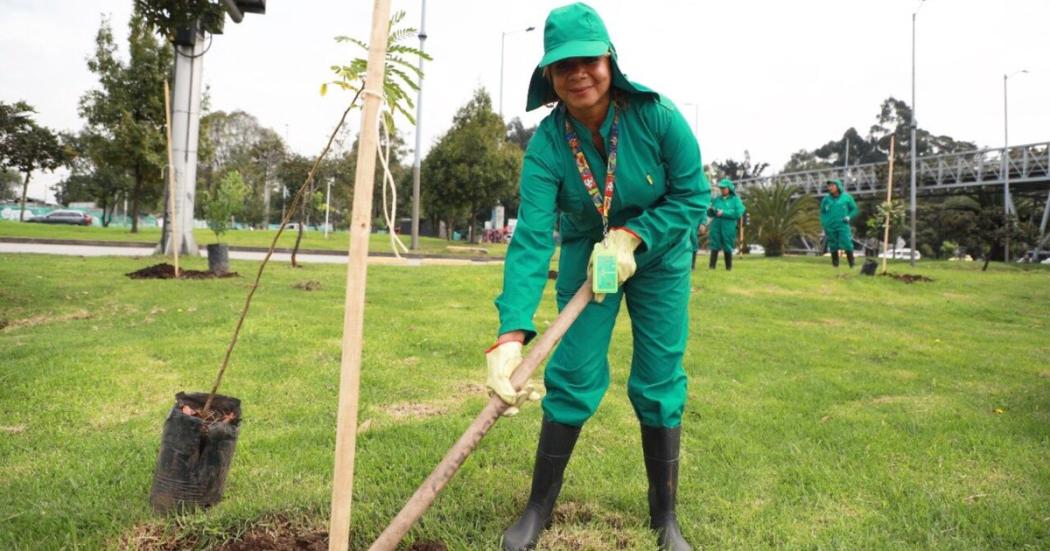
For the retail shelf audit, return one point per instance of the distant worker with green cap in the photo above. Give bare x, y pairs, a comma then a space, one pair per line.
724, 212
837, 208
617, 168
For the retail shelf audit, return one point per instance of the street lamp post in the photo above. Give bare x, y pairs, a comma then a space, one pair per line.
1006, 168
502, 44
914, 132
419, 134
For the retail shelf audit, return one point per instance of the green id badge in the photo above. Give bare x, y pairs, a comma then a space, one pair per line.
604, 272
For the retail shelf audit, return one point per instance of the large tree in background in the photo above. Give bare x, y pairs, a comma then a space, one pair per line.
737, 170
128, 107
95, 173
892, 120
237, 141
471, 167
26, 146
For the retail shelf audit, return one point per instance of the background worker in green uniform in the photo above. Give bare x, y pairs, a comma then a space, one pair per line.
621, 167
837, 208
725, 211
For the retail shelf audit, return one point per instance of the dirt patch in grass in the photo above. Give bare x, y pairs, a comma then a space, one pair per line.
472, 388
13, 429
581, 526
908, 278
269, 534
410, 410
167, 271
44, 319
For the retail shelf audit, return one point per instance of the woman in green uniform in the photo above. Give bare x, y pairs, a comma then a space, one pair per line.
836, 210
617, 166
724, 212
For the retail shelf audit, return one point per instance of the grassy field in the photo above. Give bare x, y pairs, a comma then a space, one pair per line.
312, 239
827, 410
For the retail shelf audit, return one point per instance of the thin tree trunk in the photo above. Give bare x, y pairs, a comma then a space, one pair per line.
135, 202
25, 187
299, 236
104, 206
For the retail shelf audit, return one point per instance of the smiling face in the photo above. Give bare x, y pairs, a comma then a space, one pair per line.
725, 191
583, 84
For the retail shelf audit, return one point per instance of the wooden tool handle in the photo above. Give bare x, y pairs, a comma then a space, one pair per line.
453, 460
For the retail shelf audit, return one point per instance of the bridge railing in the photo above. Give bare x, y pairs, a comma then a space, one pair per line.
1026, 163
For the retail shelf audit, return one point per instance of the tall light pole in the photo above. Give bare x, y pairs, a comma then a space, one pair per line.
914, 131
1006, 168
419, 133
502, 44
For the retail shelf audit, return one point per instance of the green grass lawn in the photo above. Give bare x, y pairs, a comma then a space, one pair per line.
312, 239
827, 410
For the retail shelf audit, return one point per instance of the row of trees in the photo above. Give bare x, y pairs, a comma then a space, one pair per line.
120, 154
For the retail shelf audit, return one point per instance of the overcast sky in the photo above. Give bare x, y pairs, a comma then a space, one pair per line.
767, 76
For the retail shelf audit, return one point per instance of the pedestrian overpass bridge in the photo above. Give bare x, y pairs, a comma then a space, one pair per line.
1028, 169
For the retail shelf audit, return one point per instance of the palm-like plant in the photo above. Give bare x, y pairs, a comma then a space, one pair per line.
780, 213
400, 73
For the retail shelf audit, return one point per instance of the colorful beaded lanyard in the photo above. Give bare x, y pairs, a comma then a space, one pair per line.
602, 204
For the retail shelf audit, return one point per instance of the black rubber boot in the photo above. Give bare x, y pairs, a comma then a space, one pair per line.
729, 260
661, 447
835, 258
849, 257
552, 454
714, 259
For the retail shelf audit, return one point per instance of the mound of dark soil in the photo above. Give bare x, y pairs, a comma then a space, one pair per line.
167, 271
908, 278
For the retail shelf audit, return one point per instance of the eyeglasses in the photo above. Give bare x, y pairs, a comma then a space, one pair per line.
572, 64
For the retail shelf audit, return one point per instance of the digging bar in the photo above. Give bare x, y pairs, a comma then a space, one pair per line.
453, 460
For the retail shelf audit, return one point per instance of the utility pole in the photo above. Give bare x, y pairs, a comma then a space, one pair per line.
914, 132
1007, 203
185, 129
416, 163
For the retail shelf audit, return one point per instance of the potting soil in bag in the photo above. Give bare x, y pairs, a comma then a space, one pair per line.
195, 453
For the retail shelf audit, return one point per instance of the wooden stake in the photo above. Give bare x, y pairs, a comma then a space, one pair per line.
356, 272
889, 204
453, 460
172, 224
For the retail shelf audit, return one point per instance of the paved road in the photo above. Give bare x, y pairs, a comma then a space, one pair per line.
100, 250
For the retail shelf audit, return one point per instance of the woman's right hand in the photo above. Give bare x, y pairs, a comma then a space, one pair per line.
502, 359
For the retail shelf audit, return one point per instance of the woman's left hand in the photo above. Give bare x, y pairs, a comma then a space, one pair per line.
622, 243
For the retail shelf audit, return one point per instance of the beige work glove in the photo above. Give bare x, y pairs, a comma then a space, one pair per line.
623, 243
502, 360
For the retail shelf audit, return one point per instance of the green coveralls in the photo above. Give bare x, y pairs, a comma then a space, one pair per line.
661, 195
833, 214
722, 231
